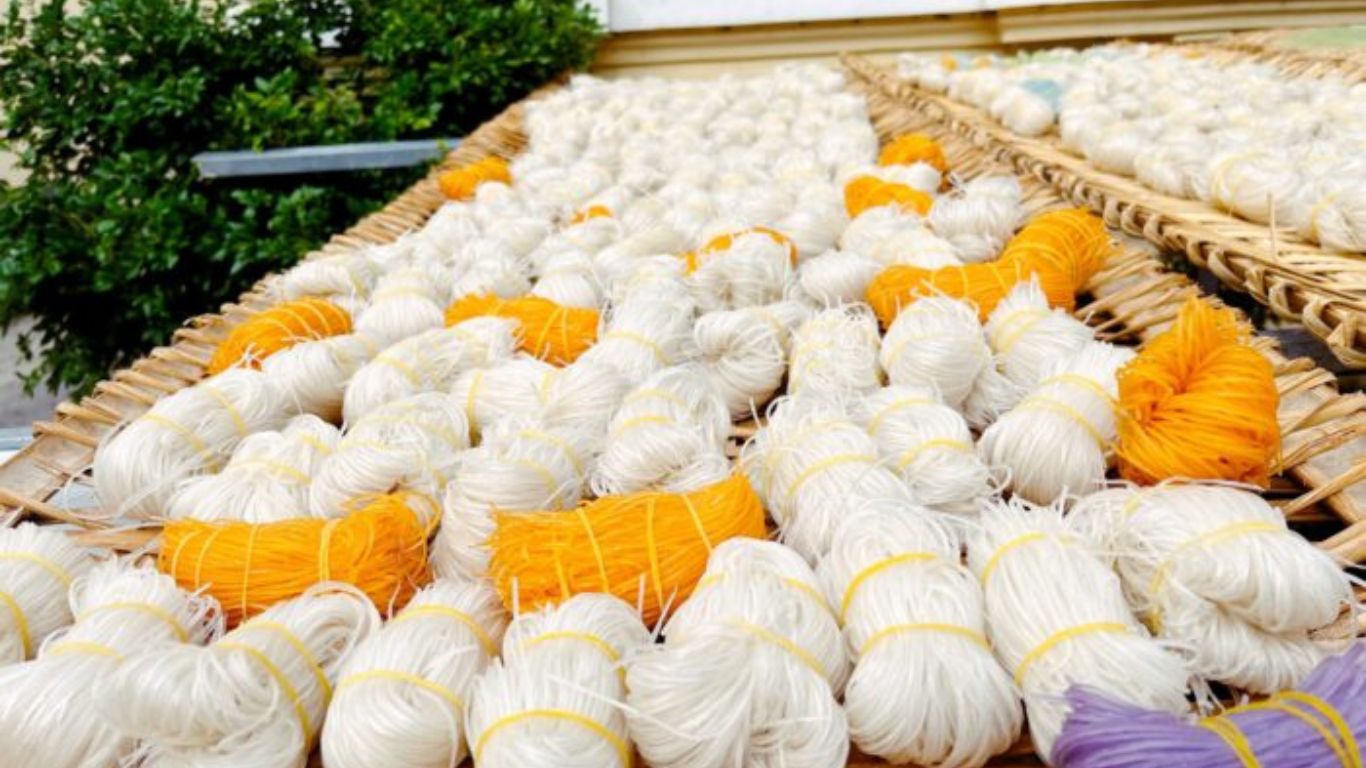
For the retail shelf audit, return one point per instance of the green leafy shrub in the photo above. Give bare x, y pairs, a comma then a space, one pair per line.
113, 239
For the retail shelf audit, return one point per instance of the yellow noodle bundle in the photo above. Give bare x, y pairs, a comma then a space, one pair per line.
1074, 240
649, 547
280, 327
983, 284
1198, 402
914, 148
724, 242
381, 548
460, 183
557, 334
867, 192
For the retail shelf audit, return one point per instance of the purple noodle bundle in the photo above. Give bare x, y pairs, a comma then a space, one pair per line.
1321, 723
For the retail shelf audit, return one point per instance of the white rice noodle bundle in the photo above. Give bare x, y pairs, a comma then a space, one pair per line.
644, 335
809, 464
867, 231
447, 231
345, 278
837, 277
817, 220
1114, 148
186, 433
978, 218
277, 669
554, 698
918, 175
312, 376
835, 353
1177, 165
744, 352
753, 270
1051, 632
750, 671
411, 444
522, 466
123, 610
930, 445
668, 434
1057, 441
401, 696
406, 302
582, 396
1029, 336
936, 342
1215, 572
659, 275
514, 387
926, 688
38, 565
428, 362
569, 279
1337, 216
1257, 183
498, 274
1023, 111
267, 479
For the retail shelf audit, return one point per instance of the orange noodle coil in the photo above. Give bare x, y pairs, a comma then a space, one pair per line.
460, 183
557, 334
867, 192
1198, 402
381, 548
649, 548
982, 284
595, 211
722, 243
280, 327
1074, 240
914, 148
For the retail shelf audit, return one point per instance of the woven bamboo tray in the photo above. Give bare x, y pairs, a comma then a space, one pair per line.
1298, 280
1313, 51
1319, 477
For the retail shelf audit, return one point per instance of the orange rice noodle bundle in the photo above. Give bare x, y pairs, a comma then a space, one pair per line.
1199, 402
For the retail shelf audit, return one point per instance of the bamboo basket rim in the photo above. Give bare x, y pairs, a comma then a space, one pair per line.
1267, 45
1324, 290
1134, 298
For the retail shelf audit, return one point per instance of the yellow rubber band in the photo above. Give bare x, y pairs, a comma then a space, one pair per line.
419, 611
1002, 343
441, 691
873, 570
83, 647
623, 751
20, 622
597, 550
897, 629
1036, 402
58, 572
154, 611
1008, 547
797, 585
298, 645
822, 466
237, 422
470, 396
281, 680
210, 458
583, 637
905, 459
1060, 637
278, 467
799, 653
401, 367
1213, 536
1344, 744
639, 421
662, 394
1234, 738
896, 405
1080, 381
640, 340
